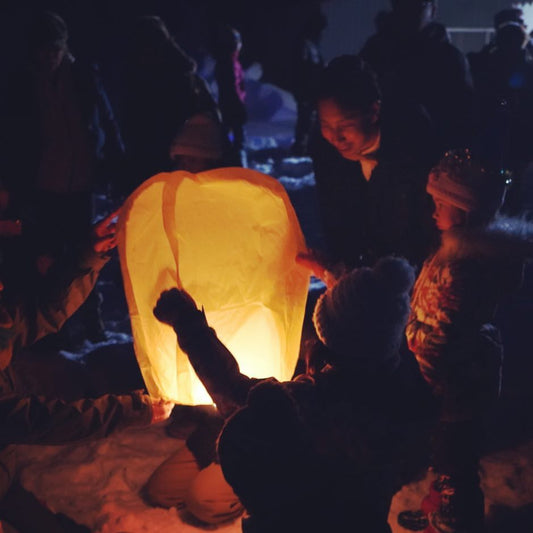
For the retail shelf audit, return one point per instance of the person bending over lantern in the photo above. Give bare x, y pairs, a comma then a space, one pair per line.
370, 164
450, 330
25, 318
329, 448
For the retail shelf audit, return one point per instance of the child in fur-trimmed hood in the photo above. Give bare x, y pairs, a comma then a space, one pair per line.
450, 329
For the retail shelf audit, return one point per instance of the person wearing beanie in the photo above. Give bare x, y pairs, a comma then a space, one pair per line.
189, 477
327, 450
450, 329
199, 145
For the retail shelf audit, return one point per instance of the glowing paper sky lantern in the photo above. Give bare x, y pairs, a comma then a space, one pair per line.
230, 238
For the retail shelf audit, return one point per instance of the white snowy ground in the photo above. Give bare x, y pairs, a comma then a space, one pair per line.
97, 484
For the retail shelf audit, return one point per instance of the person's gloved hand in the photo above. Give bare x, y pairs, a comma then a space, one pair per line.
175, 306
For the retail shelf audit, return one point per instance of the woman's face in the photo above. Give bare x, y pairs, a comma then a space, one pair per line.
447, 216
352, 133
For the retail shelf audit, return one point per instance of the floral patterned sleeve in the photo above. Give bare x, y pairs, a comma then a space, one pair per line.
446, 310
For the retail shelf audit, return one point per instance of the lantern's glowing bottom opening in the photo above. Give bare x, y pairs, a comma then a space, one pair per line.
256, 343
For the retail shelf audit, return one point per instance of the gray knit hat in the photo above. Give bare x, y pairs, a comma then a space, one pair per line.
365, 313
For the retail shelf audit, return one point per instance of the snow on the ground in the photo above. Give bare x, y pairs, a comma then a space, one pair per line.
507, 483
97, 484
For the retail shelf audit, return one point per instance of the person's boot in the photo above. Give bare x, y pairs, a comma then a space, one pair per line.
419, 520
461, 509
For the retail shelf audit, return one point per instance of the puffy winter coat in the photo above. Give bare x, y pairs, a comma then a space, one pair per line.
21, 136
319, 452
454, 302
425, 68
33, 419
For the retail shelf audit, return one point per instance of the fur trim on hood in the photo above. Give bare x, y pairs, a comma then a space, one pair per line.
501, 238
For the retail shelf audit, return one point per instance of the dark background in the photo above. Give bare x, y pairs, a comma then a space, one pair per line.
270, 29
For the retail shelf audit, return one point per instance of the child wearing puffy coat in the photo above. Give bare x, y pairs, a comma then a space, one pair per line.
450, 330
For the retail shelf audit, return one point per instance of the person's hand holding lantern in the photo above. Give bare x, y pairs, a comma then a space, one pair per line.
104, 233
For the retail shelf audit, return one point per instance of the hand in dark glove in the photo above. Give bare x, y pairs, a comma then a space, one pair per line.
174, 307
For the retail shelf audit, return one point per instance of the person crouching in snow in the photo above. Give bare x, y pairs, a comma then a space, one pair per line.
327, 450
25, 318
450, 330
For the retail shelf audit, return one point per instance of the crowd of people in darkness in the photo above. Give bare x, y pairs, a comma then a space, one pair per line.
421, 157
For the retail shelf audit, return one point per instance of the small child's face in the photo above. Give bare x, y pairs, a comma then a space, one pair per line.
447, 216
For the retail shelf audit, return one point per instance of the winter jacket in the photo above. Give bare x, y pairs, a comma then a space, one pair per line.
426, 69
453, 304
157, 100
504, 89
319, 452
38, 420
22, 140
388, 214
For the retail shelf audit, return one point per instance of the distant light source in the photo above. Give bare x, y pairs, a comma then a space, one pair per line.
230, 238
527, 8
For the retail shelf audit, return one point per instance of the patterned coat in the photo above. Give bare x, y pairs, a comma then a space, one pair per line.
454, 302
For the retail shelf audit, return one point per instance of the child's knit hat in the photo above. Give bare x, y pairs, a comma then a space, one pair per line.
462, 181
365, 313
201, 136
